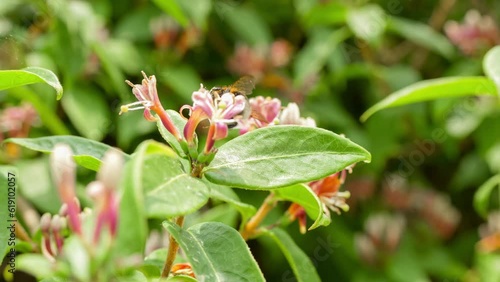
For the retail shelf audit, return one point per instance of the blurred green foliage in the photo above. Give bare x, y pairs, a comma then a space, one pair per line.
412, 212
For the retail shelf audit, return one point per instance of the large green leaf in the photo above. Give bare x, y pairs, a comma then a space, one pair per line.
433, 89
302, 266
304, 196
217, 252
280, 156
169, 190
8, 179
30, 75
87, 153
421, 34
491, 65
132, 224
483, 193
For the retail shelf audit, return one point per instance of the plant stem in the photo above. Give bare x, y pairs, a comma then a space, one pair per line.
173, 247
254, 222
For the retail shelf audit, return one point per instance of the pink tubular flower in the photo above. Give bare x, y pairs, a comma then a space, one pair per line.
147, 97
104, 193
220, 111
63, 171
327, 190
264, 111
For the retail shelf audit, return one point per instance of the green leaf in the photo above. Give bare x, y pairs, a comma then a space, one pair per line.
482, 195
88, 111
226, 194
172, 8
217, 252
247, 24
433, 89
311, 59
179, 123
29, 75
169, 190
491, 65
367, 22
421, 34
8, 180
36, 265
132, 210
283, 155
304, 196
87, 153
302, 266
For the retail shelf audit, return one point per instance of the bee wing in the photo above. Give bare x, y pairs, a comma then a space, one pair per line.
244, 85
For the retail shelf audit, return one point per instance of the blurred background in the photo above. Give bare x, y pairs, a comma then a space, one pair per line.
412, 216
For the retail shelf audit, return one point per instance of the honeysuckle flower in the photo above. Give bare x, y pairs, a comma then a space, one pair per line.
63, 172
382, 236
220, 111
327, 190
104, 193
264, 112
291, 115
148, 100
476, 33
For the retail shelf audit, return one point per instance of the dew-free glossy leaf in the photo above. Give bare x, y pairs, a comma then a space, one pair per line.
491, 65
483, 193
87, 153
302, 266
169, 190
433, 89
304, 196
217, 252
30, 75
280, 156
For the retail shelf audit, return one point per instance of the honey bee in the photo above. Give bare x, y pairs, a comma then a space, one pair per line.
243, 86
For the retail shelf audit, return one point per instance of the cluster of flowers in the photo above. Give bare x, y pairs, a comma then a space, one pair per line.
226, 111
103, 192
